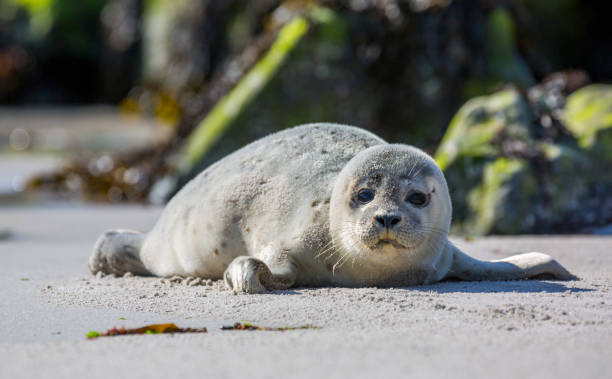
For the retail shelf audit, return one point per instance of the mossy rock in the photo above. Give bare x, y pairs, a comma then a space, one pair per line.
481, 181
554, 187
588, 115
510, 196
501, 202
565, 195
480, 122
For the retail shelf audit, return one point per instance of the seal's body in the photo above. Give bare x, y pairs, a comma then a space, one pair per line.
315, 205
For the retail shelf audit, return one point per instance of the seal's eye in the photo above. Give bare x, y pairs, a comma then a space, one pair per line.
418, 199
365, 196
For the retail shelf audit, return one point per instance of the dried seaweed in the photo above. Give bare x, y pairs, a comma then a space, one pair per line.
171, 328
248, 326
148, 329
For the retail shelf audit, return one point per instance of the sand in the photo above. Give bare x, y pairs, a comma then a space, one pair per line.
49, 302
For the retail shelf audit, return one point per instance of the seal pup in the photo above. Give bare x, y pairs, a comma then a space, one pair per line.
315, 205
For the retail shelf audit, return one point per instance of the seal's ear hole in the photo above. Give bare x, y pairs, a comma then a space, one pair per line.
418, 199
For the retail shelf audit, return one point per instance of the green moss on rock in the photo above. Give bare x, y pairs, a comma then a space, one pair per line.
490, 202
504, 181
473, 130
588, 115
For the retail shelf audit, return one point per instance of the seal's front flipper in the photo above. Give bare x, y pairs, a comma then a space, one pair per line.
251, 275
118, 252
521, 266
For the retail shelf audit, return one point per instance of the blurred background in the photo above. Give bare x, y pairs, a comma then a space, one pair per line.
124, 100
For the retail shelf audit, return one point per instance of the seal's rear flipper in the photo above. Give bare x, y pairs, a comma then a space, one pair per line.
118, 252
521, 266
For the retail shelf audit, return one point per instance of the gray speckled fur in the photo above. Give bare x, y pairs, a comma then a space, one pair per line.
261, 218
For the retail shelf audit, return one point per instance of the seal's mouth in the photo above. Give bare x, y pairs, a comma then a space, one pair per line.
385, 242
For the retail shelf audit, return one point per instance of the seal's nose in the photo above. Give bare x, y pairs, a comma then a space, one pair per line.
387, 221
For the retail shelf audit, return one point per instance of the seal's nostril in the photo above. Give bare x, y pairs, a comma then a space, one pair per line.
387, 221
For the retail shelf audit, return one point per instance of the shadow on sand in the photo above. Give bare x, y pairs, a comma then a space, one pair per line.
519, 286
452, 286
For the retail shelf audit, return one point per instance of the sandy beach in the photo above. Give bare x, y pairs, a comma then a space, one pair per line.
49, 301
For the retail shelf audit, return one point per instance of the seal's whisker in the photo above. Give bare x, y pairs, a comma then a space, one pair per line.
338, 263
348, 254
325, 249
434, 230
412, 169
419, 171
331, 255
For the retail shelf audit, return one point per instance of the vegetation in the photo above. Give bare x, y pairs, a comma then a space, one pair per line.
480, 84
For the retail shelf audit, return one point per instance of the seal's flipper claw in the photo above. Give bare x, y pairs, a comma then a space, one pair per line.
247, 274
117, 252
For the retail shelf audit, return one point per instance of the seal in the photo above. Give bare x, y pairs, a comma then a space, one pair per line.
315, 205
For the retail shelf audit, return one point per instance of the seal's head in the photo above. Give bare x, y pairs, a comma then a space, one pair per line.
389, 204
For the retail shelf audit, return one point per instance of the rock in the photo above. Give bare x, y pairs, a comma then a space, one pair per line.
481, 179
480, 122
505, 178
588, 115
501, 200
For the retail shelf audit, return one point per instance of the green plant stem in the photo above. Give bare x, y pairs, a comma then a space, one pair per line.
220, 118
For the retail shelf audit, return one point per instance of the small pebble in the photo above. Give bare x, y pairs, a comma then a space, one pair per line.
194, 282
